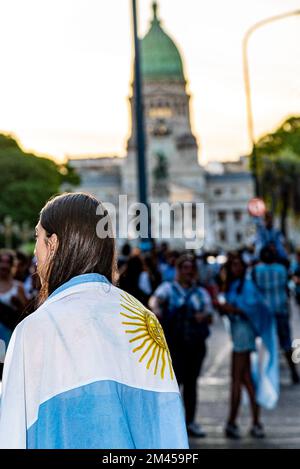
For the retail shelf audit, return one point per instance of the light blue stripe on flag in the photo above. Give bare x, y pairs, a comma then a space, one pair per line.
79, 280
109, 415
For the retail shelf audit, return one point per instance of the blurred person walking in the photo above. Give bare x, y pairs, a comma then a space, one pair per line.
168, 268
207, 275
272, 281
11, 291
296, 277
129, 279
150, 278
249, 318
185, 311
267, 235
23, 273
12, 301
206, 271
124, 255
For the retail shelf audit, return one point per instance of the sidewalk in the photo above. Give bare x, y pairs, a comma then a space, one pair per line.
282, 425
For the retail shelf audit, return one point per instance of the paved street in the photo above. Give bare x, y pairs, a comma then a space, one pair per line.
282, 424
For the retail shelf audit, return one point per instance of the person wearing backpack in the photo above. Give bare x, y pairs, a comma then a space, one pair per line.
185, 312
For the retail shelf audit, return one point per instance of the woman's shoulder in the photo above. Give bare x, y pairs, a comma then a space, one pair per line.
31, 329
33, 318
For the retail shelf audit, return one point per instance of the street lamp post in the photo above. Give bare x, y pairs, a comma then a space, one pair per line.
139, 122
250, 122
139, 112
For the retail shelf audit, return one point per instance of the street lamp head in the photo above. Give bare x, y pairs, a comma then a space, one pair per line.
246, 38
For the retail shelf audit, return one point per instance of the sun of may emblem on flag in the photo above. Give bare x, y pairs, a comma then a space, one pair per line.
149, 332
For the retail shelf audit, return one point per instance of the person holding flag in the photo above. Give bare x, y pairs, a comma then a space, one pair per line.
254, 354
266, 234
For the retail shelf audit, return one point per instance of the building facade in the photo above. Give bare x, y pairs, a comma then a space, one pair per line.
173, 170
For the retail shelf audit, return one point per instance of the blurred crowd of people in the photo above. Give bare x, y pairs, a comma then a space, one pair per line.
19, 286
186, 291
249, 288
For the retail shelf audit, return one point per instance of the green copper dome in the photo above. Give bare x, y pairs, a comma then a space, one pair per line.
160, 58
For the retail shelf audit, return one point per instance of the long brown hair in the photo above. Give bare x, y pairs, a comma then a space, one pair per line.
73, 218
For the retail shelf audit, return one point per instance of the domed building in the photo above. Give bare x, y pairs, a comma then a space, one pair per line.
173, 171
161, 59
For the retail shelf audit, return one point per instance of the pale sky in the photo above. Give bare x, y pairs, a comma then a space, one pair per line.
66, 67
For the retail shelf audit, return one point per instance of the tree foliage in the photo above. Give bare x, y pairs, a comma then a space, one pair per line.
279, 169
27, 181
287, 136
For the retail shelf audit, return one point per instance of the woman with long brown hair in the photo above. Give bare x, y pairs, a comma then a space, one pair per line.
90, 368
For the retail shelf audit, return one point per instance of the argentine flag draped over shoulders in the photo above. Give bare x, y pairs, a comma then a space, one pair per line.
90, 369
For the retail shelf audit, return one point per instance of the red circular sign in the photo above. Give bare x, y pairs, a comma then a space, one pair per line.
256, 207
